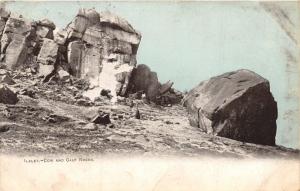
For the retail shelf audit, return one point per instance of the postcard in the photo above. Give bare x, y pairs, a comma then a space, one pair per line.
151, 95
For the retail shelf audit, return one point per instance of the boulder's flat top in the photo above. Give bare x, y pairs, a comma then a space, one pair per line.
220, 90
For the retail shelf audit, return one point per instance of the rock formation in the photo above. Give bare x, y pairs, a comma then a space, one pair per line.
102, 48
48, 81
98, 47
145, 80
237, 105
21, 39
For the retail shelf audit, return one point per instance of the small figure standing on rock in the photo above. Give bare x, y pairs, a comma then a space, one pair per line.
137, 113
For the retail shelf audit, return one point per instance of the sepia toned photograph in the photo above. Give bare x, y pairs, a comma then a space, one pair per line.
151, 95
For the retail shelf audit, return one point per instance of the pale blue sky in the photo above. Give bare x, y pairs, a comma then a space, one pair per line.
193, 41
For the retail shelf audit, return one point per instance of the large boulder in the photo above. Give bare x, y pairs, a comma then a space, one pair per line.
236, 105
143, 79
101, 48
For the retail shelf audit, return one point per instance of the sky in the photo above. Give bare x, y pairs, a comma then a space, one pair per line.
188, 42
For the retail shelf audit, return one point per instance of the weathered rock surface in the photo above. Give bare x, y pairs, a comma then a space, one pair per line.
101, 47
17, 41
158, 132
49, 113
164, 88
236, 105
48, 52
143, 79
7, 96
98, 47
44, 29
4, 15
96, 55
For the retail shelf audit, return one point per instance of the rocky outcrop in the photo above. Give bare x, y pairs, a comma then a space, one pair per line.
236, 105
101, 48
21, 39
145, 80
98, 47
16, 40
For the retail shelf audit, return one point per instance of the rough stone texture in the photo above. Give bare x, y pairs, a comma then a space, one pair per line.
236, 105
165, 87
47, 23
14, 50
60, 36
48, 52
7, 96
93, 36
90, 65
21, 39
119, 29
84, 19
74, 57
170, 97
45, 29
45, 70
4, 15
96, 47
2, 25
17, 41
102, 47
44, 32
63, 75
143, 79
